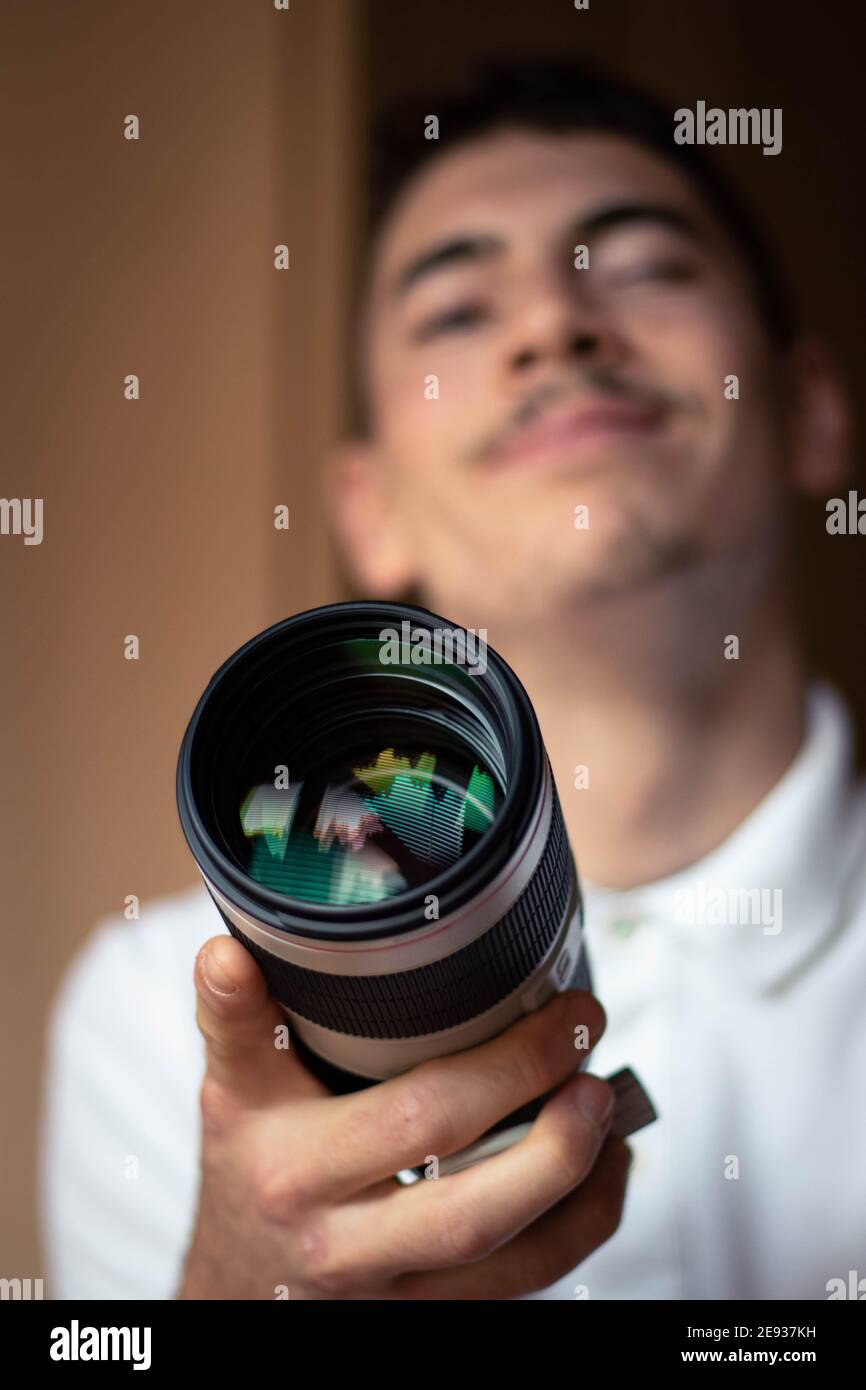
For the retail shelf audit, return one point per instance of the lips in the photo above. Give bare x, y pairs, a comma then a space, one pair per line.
562, 428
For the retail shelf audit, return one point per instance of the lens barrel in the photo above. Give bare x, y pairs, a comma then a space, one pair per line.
489, 925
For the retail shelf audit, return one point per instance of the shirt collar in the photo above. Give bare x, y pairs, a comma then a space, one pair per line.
768, 899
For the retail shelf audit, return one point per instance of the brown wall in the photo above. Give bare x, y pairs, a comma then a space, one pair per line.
155, 258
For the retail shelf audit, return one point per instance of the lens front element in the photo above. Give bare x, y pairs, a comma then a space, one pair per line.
365, 827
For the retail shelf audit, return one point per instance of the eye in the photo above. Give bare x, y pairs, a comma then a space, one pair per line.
454, 320
664, 270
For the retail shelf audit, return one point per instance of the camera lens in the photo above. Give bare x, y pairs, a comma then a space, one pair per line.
366, 793
366, 808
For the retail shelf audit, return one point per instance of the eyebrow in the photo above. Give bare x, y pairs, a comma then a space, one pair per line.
625, 214
467, 249
459, 250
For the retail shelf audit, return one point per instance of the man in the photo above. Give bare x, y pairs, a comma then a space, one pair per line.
587, 414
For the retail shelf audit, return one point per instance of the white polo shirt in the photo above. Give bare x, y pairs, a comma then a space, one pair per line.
736, 990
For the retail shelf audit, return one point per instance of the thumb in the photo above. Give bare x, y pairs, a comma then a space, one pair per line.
244, 1029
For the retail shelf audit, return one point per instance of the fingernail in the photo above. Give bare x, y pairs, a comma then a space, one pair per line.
594, 1098
216, 976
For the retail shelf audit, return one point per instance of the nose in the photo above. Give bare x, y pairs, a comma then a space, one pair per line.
556, 324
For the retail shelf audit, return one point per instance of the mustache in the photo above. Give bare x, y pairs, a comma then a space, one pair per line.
599, 382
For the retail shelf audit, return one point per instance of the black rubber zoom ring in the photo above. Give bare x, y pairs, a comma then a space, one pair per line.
446, 992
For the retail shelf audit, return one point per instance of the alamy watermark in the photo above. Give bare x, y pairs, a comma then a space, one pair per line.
737, 126
21, 1289
421, 646
711, 905
846, 516
22, 516
854, 1287
77, 1343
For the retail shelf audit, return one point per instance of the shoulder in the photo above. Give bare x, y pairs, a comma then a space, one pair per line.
158, 948
126, 1005
853, 856
125, 1059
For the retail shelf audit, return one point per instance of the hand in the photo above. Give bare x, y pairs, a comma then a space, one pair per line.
297, 1185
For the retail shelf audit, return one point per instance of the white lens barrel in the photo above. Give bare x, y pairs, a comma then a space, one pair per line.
379, 1052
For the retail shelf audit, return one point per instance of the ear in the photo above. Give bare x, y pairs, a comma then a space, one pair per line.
363, 503
821, 425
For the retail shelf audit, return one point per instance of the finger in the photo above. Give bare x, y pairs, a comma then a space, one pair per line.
466, 1216
445, 1104
546, 1251
243, 1028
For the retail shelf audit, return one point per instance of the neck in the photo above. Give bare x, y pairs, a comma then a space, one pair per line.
678, 741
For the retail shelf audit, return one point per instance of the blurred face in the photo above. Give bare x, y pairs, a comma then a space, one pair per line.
552, 325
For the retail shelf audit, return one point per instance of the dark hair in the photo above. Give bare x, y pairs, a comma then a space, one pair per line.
561, 96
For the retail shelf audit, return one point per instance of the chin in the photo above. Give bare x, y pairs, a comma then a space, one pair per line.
606, 567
